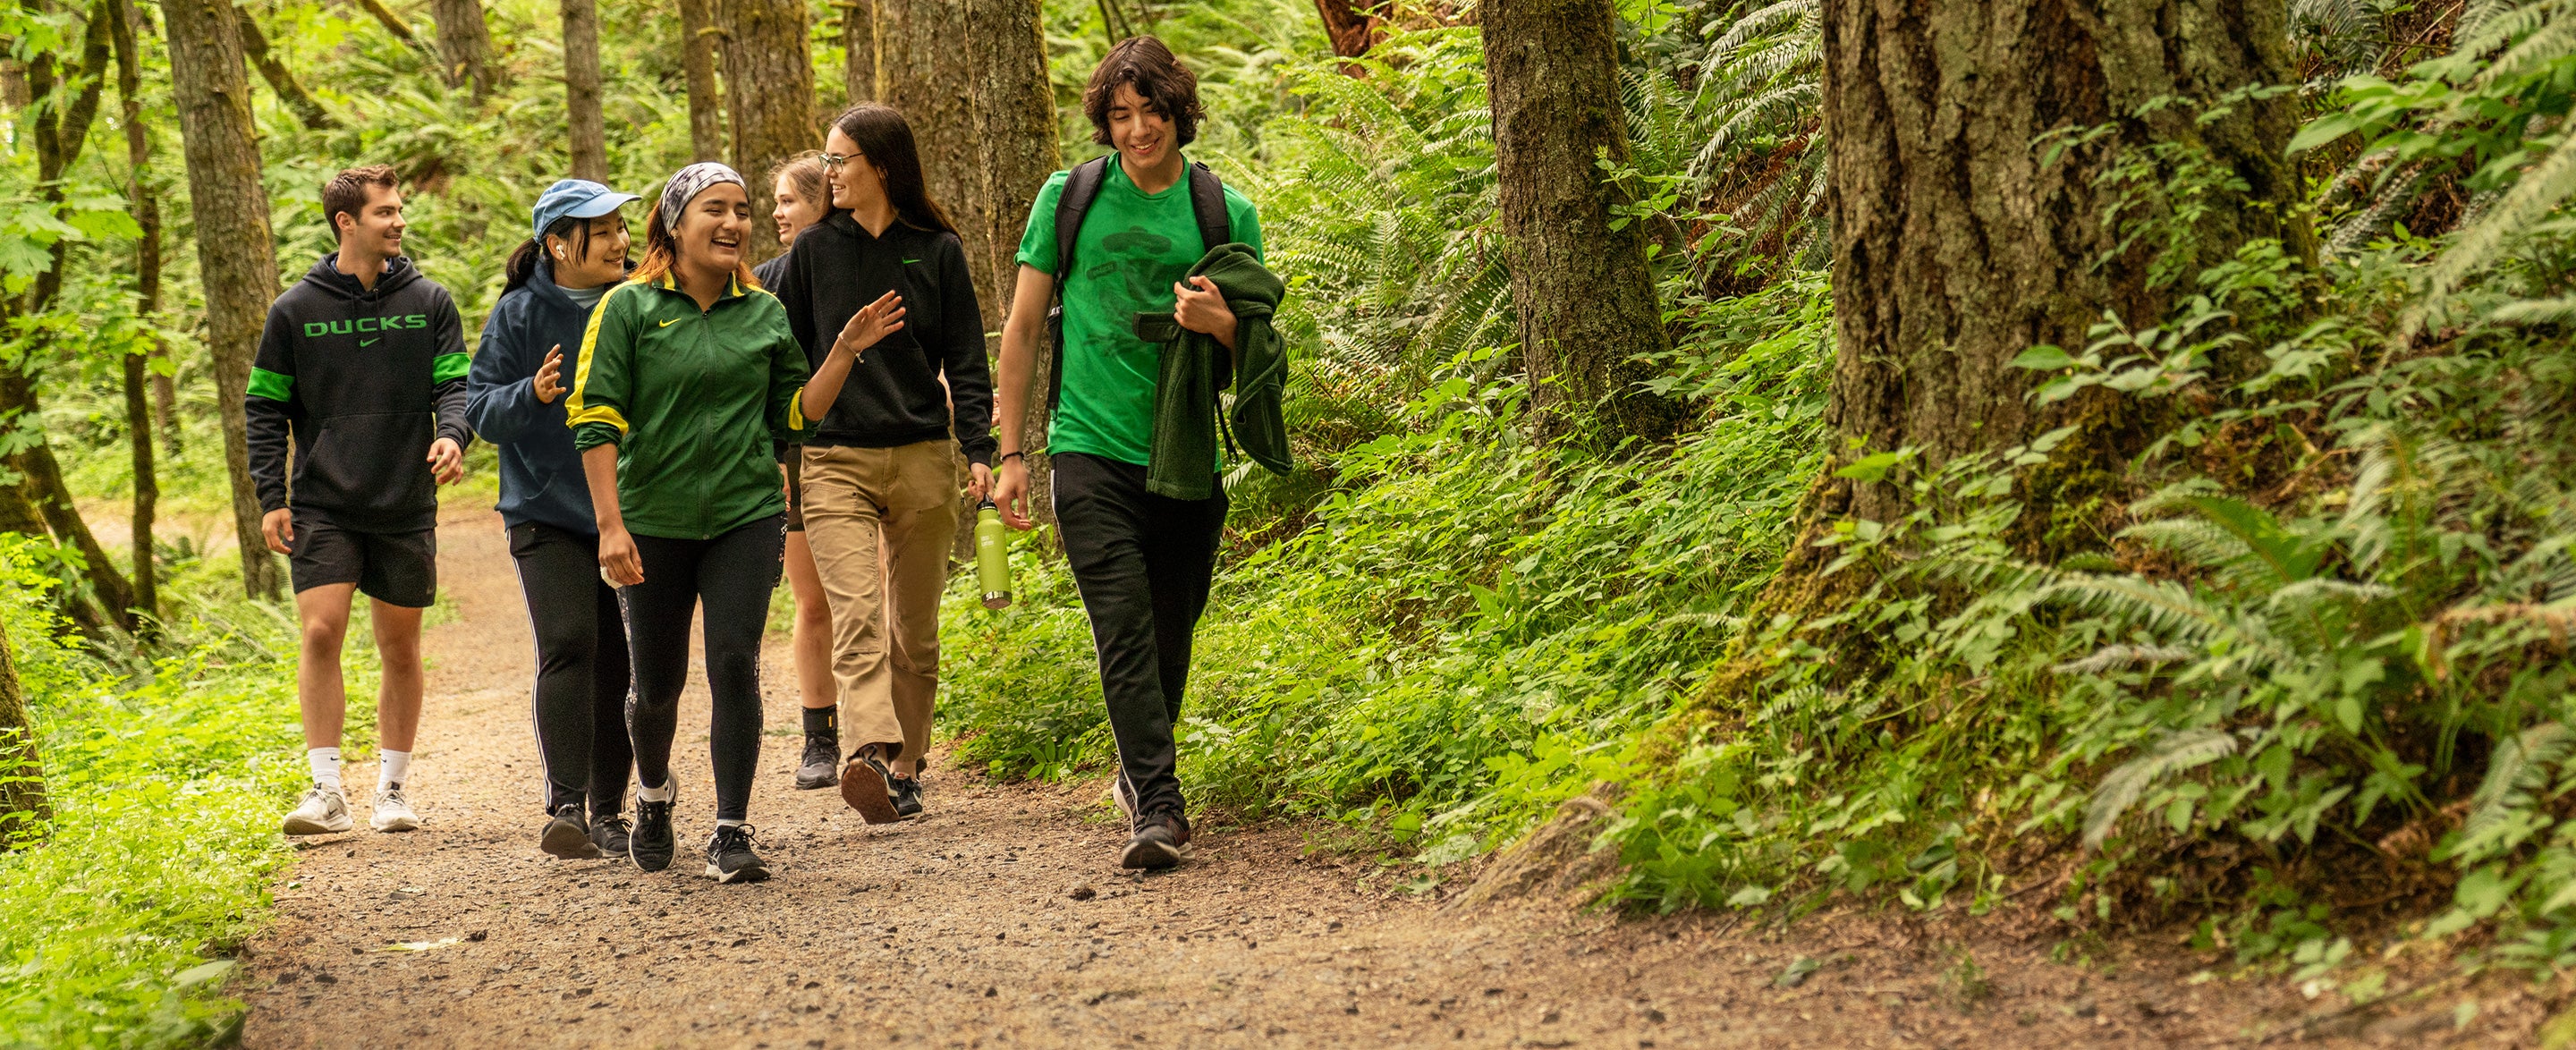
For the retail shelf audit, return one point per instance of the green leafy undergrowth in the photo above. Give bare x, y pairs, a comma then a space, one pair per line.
166, 781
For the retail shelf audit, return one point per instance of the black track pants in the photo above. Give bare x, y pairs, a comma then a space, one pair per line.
581, 668
732, 576
1143, 563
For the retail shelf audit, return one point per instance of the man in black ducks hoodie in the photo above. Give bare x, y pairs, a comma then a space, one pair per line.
362, 369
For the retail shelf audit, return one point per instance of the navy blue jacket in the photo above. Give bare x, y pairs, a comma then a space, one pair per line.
541, 479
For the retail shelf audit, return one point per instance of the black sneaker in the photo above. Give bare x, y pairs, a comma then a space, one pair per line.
821, 767
611, 834
866, 786
567, 836
651, 844
729, 856
1157, 843
907, 796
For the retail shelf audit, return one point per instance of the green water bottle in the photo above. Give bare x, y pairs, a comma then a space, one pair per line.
992, 557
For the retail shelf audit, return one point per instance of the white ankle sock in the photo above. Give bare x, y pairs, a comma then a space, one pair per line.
326, 766
730, 823
389, 775
653, 794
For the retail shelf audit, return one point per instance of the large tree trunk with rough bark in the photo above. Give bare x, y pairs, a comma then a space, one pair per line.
926, 66
1014, 107
588, 126
464, 45
235, 251
23, 809
859, 45
769, 72
1957, 246
147, 300
699, 42
1586, 300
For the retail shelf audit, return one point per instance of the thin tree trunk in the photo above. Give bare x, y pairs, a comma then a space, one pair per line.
859, 41
24, 811
1956, 248
147, 299
281, 79
589, 130
235, 250
1585, 298
464, 45
1350, 26
926, 63
393, 23
699, 44
1014, 107
769, 71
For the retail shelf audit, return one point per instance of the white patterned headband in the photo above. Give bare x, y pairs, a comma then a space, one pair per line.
691, 181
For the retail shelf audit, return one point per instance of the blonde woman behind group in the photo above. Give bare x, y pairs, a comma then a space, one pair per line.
797, 184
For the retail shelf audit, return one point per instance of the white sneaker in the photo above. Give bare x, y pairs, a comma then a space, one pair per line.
393, 813
322, 812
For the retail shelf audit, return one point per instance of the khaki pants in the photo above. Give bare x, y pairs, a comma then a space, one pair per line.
881, 522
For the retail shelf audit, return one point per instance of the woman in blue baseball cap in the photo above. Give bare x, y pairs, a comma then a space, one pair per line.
577, 251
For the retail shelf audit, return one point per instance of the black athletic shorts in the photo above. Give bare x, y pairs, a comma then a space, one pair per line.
794, 461
396, 568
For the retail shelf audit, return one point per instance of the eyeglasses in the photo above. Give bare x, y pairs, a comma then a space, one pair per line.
833, 161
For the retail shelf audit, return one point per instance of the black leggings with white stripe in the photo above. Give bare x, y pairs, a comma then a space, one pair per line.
732, 575
581, 669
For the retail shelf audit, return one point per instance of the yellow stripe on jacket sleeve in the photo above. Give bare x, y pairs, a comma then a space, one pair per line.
575, 412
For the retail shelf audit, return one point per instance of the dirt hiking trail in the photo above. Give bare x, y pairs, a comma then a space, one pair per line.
1001, 919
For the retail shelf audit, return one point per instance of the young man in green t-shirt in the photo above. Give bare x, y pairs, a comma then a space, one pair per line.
1142, 561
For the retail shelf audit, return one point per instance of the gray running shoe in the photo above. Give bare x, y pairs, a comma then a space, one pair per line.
322, 812
567, 836
1156, 845
821, 767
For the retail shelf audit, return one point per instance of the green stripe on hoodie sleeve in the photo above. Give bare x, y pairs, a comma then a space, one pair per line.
270, 385
449, 366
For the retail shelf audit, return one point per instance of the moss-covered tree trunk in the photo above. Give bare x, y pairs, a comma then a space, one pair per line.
588, 126
22, 776
235, 251
859, 50
147, 299
464, 46
926, 67
1015, 126
770, 75
699, 41
280, 78
1956, 247
1585, 299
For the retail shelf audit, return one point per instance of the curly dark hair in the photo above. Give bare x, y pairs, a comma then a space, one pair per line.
1143, 63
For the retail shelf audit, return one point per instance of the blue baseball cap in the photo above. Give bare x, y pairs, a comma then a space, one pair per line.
576, 199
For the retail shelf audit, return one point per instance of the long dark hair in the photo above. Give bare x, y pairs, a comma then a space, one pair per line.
662, 251
884, 139
523, 261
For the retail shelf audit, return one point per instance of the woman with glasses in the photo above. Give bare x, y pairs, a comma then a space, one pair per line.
879, 473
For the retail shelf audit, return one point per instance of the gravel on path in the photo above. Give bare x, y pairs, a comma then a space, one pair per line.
1001, 919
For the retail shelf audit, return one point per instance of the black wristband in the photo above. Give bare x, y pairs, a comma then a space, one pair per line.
1007, 456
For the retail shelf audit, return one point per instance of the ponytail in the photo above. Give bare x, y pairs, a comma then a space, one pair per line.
521, 267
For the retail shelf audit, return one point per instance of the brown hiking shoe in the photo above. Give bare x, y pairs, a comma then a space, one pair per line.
864, 786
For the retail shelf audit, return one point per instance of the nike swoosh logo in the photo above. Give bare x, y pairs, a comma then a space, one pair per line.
909, 262
368, 342
673, 321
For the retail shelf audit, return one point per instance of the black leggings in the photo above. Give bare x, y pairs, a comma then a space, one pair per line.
732, 575
581, 668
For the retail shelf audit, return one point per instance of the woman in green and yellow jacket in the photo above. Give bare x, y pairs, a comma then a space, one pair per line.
688, 373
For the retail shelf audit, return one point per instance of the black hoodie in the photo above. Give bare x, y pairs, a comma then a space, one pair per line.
362, 381
893, 396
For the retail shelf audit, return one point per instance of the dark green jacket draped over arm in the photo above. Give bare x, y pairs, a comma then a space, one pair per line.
1183, 462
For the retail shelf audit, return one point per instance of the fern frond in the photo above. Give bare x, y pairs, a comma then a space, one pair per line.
2121, 788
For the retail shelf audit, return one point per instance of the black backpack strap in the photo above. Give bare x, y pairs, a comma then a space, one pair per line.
1081, 187
1207, 203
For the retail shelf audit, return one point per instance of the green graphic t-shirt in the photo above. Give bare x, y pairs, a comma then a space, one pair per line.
1133, 247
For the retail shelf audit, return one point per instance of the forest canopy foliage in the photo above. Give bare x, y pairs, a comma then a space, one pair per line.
2307, 671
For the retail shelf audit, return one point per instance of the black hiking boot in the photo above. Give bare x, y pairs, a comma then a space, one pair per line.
651, 844
821, 766
729, 856
907, 796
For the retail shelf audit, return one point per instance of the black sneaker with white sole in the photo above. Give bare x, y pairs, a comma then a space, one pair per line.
567, 836
651, 844
729, 856
907, 796
1156, 844
868, 788
611, 833
821, 766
